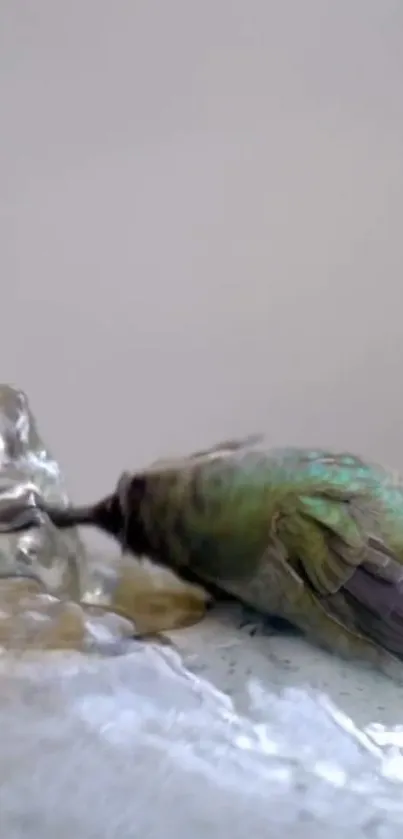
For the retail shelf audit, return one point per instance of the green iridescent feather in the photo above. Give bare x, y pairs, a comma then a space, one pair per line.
287, 531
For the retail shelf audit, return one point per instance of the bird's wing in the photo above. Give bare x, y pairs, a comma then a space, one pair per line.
332, 516
332, 538
340, 549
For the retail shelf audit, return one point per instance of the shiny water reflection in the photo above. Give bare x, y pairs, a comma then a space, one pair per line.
52, 595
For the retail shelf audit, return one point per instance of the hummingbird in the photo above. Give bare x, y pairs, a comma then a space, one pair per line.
309, 536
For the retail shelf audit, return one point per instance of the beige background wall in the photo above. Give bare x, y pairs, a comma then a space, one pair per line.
201, 224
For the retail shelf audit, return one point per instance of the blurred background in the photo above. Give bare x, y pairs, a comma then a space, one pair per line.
201, 225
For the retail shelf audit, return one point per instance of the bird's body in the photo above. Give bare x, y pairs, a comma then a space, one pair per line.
309, 536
